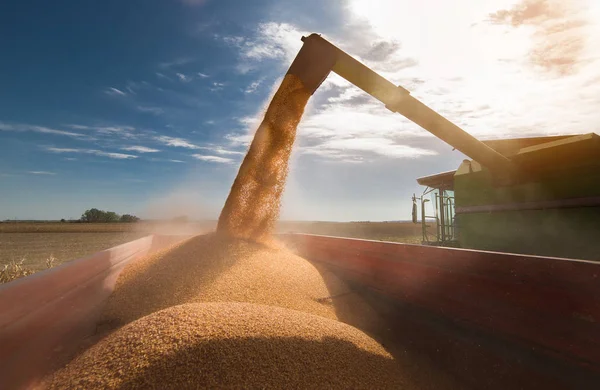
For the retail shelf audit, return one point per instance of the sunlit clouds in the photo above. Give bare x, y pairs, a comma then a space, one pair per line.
95, 152
496, 68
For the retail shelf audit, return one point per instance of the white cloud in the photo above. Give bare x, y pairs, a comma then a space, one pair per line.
41, 173
151, 110
114, 92
216, 86
529, 76
155, 159
127, 132
253, 86
560, 36
271, 41
203, 75
239, 139
353, 147
42, 130
251, 121
274, 41
118, 156
162, 76
493, 80
95, 152
344, 119
176, 142
215, 159
140, 149
183, 143
220, 150
183, 77
175, 63
64, 150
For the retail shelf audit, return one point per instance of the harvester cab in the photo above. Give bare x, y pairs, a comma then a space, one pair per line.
438, 212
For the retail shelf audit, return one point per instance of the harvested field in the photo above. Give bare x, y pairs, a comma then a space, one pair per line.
36, 248
37, 242
406, 232
145, 227
233, 345
213, 268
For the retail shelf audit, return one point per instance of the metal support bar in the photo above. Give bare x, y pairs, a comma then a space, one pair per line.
318, 57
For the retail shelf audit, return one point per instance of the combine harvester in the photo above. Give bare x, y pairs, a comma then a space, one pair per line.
490, 319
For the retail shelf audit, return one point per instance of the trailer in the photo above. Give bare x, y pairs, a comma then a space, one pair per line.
490, 320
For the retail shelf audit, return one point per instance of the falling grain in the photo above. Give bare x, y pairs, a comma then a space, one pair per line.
252, 207
171, 337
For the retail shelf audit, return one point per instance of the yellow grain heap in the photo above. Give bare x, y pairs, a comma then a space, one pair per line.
172, 337
232, 345
214, 268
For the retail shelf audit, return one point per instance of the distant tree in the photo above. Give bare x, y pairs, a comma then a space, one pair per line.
97, 216
129, 218
92, 215
62, 220
110, 216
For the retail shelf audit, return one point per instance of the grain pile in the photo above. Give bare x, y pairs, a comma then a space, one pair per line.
215, 268
232, 345
195, 315
252, 207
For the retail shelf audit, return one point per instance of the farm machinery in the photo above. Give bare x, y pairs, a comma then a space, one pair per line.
492, 319
526, 195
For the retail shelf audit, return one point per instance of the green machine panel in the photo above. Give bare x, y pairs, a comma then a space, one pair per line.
553, 211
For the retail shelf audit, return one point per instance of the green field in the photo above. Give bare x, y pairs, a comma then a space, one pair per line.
33, 243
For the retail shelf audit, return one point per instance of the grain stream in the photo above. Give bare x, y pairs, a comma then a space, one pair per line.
195, 315
252, 207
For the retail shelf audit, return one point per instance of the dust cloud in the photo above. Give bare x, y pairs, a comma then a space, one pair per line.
252, 207
181, 211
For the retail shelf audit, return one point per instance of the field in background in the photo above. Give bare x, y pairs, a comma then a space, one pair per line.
405, 232
35, 242
35, 248
71, 227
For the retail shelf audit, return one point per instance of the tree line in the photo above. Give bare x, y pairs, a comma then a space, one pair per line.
95, 216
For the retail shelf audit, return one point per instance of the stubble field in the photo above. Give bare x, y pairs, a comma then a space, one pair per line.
33, 243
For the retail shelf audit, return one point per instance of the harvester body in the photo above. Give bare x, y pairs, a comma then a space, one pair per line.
496, 189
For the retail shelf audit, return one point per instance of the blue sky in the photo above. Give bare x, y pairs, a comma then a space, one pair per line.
147, 107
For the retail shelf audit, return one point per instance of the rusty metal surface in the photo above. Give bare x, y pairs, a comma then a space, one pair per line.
45, 316
548, 304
